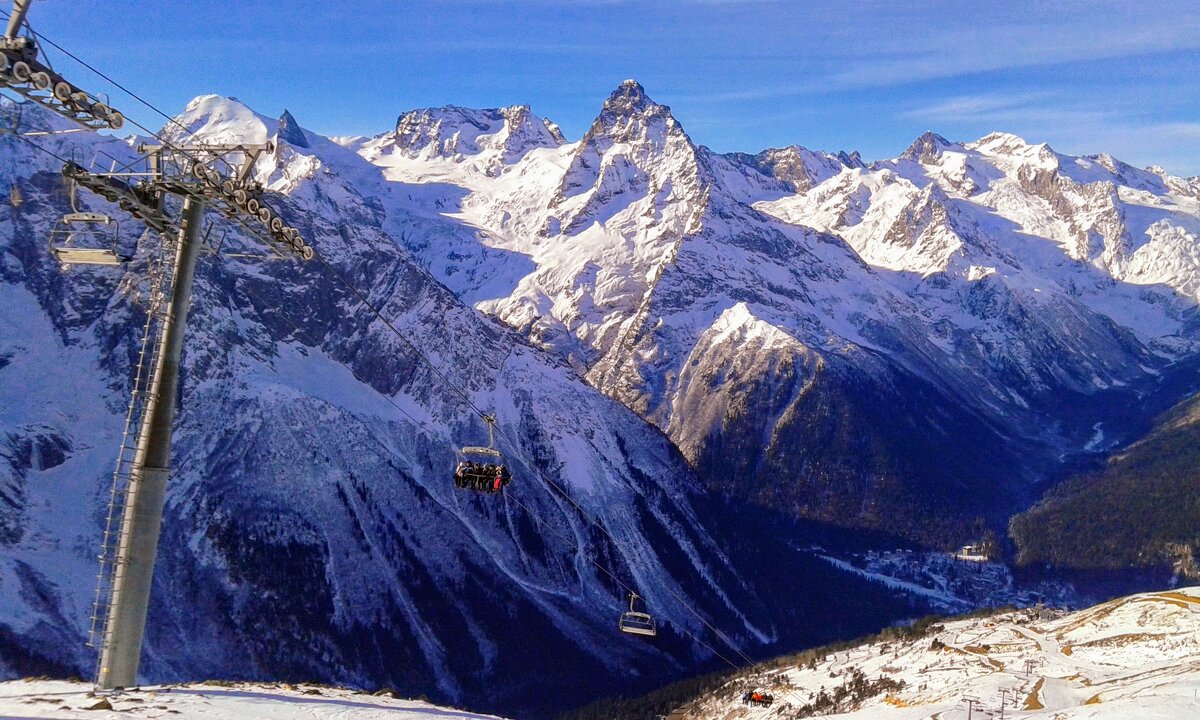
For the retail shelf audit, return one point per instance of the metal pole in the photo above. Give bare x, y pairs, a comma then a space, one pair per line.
16, 17
137, 545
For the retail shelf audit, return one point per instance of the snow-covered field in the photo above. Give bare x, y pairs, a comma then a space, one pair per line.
61, 699
1132, 658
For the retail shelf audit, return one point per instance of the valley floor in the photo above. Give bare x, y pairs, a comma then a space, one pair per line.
1135, 657
64, 700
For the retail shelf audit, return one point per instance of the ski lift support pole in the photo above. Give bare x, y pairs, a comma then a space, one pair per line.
19, 10
142, 521
203, 176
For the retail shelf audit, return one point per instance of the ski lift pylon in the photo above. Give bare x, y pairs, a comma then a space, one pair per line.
637, 623
482, 468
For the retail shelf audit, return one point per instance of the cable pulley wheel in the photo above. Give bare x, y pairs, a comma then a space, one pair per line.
252, 206
276, 224
265, 216
21, 71
3, 62
41, 80
63, 92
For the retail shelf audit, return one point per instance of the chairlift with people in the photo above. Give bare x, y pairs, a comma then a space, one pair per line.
758, 697
482, 469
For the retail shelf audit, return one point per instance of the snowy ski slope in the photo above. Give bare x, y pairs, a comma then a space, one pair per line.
62, 700
1130, 658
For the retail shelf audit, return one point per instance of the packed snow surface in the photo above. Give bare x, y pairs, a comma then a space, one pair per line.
1135, 657
62, 700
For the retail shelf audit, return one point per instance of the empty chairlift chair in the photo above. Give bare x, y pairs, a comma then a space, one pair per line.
482, 469
86, 238
637, 623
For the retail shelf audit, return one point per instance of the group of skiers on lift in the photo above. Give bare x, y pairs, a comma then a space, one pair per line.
757, 697
481, 477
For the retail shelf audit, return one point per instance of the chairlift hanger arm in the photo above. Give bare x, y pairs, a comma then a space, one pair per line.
215, 173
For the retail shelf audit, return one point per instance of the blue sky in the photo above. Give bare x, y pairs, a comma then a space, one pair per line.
1117, 77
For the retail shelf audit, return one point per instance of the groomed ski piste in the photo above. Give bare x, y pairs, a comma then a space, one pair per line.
62, 700
1134, 658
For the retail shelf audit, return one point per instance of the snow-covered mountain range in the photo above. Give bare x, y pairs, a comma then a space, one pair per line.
698, 347
810, 330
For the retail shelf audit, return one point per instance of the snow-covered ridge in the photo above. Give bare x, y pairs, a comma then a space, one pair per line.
65, 700
1136, 657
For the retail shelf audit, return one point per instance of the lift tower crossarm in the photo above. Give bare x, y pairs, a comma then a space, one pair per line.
25, 71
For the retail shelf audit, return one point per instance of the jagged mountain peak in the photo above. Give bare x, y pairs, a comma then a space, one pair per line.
628, 102
850, 159
629, 96
635, 148
290, 131
927, 148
